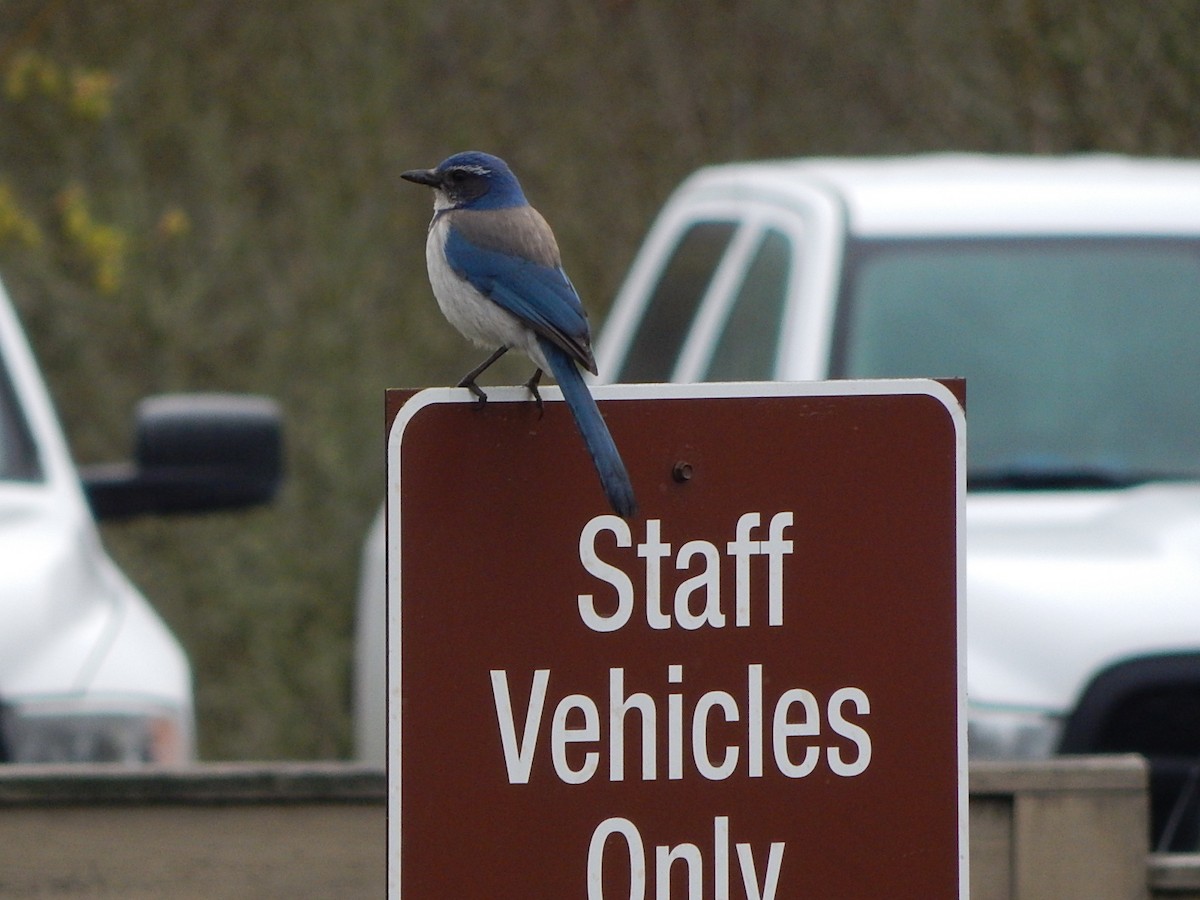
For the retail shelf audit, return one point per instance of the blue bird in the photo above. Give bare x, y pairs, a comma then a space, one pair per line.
496, 273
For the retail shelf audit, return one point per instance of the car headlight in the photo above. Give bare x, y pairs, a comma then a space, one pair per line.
1004, 733
68, 732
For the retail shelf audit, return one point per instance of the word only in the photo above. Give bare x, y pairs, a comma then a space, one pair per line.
686, 859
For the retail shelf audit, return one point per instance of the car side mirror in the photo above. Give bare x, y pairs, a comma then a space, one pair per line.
193, 453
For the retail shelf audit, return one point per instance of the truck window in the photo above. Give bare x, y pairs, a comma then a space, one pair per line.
1080, 354
18, 455
749, 342
674, 301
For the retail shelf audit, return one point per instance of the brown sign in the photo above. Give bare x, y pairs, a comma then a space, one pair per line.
753, 690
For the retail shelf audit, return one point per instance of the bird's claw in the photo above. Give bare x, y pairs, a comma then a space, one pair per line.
468, 380
480, 396
532, 384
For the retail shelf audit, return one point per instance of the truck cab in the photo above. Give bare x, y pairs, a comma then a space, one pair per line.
1067, 292
88, 670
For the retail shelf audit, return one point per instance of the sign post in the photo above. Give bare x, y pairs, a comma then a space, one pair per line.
752, 690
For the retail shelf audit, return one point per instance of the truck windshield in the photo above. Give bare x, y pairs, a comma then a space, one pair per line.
1082, 355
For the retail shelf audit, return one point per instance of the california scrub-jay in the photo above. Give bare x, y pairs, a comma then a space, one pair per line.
497, 276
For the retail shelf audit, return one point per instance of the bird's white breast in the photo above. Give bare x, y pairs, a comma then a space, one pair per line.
474, 315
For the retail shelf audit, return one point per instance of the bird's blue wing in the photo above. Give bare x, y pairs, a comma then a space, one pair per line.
539, 295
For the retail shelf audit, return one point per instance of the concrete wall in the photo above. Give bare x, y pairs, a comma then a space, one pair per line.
1069, 828
1065, 828
215, 831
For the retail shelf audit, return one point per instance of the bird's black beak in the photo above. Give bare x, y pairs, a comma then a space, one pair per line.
422, 176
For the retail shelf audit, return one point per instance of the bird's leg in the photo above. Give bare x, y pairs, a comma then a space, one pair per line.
532, 384
468, 380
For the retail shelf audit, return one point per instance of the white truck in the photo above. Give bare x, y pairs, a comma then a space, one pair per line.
88, 671
1067, 292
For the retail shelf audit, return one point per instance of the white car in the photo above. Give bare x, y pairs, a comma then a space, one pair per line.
1067, 292
88, 671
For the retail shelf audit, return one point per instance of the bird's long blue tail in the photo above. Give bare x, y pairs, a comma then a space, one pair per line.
613, 477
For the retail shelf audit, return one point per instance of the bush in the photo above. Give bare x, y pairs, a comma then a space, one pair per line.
204, 195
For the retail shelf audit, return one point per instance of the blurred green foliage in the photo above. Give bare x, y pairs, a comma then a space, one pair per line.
203, 195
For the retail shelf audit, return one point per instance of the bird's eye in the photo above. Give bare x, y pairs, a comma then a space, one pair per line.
464, 183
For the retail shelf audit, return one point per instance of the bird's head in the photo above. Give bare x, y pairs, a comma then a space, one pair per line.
470, 180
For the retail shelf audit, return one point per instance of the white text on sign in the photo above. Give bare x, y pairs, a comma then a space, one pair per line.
706, 584
754, 727
575, 736
689, 857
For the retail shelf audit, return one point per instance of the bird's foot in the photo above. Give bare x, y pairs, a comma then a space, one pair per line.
470, 385
468, 380
532, 384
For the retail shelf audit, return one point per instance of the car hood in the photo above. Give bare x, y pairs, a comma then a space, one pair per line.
1063, 584
58, 599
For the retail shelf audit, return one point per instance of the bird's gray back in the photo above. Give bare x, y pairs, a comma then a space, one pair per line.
517, 231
